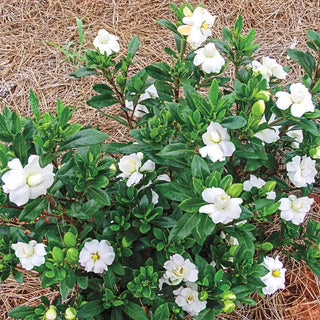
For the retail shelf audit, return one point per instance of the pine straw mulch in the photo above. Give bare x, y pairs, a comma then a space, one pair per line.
28, 61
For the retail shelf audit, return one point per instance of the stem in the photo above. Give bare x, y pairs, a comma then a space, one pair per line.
276, 121
176, 86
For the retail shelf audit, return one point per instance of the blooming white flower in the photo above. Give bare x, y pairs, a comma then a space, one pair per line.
209, 58
218, 144
297, 135
271, 195
253, 182
178, 269
299, 99
106, 42
221, 208
96, 256
275, 278
131, 167
188, 299
27, 183
269, 68
30, 254
302, 172
140, 110
295, 209
196, 25
268, 135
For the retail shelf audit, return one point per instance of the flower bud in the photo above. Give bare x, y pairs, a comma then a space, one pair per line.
228, 295
71, 313
269, 186
73, 255
203, 295
7, 257
235, 190
57, 254
113, 167
258, 108
51, 313
70, 239
229, 306
263, 95
315, 152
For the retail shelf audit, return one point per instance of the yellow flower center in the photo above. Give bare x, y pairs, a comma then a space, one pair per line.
95, 257
190, 299
297, 205
276, 273
215, 136
178, 271
204, 25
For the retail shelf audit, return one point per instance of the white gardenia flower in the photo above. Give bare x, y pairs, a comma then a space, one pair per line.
188, 299
179, 269
140, 110
221, 208
297, 135
106, 42
269, 135
302, 172
253, 182
30, 254
275, 279
27, 183
295, 209
96, 256
218, 144
196, 26
269, 68
209, 59
299, 99
131, 168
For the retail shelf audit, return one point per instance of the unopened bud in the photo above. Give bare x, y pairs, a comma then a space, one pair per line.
203, 295
73, 255
51, 313
70, 239
235, 190
113, 167
315, 152
263, 95
229, 306
269, 186
258, 108
71, 313
228, 295
57, 254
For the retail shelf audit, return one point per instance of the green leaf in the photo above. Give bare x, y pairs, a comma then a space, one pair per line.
236, 122
239, 24
90, 309
133, 45
174, 191
18, 276
199, 168
102, 88
82, 72
21, 312
174, 151
184, 226
34, 105
86, 137
100, 196
64, 289
134, 311
159, 71
192, 205
304, 59
33, 210
102, 100
169, 25
204, 228
162, 312
20, 148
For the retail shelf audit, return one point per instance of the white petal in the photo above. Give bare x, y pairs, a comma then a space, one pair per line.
134, 179
284, 100
20, 196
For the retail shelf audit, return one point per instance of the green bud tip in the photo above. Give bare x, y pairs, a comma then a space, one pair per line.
258, 108
73, 255
203, 295
229, 306
70, 239
269, 186
57, 254
263, 95
71, 313
51, 313
228, 295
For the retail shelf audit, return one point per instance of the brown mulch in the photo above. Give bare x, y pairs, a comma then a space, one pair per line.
27, 61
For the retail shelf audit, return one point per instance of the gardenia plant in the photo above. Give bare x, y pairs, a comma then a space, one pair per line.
208, 204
